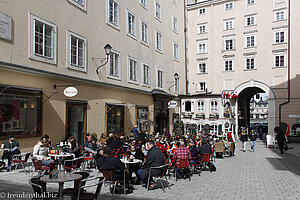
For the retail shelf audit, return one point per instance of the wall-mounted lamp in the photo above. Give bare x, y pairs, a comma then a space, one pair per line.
107, 50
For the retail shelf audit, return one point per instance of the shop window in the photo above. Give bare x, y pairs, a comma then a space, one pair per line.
20, 112
142, 117
115, 118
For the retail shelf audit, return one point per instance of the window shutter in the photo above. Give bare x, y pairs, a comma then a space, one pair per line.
182, 107
219, 129
192, 106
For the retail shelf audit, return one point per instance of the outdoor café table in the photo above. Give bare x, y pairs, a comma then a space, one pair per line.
59, 157
128, 162
61, 179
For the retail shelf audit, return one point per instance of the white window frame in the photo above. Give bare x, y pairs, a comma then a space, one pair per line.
252, 20
118, 69
203, 49
157, 40
251, 2
175, 24
143, 3
277, 35
229, 60
246, 63
201, 71
157, 78
175, 51
214, 130
202, 28
282, 54
201, 108
199, 87
202, 11
214, 109
228, 24
280, 17
177, 85
226, 48
246, 41
31, 51
157, 12
143, 74
146, 32
228, 5
82, 68
78, 4
131, 31
117, 24
135, 67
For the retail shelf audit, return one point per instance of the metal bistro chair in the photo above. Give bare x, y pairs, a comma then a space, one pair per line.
204, 162
83, 195
24, 162
74, 164
164, 169
39, 188
108, 175
77, 184
184, 166
38, 166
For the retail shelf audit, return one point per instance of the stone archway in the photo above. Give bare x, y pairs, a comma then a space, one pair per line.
245, 91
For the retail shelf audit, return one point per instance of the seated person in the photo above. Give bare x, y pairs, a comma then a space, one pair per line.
154, 158
204, 148
90, 146
138, 154
194, 153
181, 152
73, 147
41, 151
110, 163
12, 147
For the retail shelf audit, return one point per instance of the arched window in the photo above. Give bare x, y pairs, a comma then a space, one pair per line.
188, 106
214, 129
214, 106
201, 107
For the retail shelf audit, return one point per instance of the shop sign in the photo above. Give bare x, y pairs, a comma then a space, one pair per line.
70, 92
172, 104
5, 27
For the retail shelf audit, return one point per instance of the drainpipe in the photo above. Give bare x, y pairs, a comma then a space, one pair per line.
185, 51
289, 62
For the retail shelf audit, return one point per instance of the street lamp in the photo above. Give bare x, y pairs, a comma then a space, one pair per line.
107, 49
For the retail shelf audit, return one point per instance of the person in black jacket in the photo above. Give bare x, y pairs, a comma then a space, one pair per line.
204, 148
90, 146
280, 137
252, 137
12, 148
244, 138
154, 158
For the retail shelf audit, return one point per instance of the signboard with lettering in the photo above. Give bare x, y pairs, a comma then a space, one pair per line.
172, 104
5, 27
70, 92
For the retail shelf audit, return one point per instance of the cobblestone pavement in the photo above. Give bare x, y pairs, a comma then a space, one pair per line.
247, 175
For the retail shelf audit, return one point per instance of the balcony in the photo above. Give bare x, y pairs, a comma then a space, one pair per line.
200, 116
214, 116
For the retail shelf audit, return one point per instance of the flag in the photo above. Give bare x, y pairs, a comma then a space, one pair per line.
287, 133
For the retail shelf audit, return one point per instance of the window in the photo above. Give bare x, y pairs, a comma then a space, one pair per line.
228, 24
142, 117
279, 37
250, 2
201, 67
228, 44
132, 70
228, 65
131, 24
201, 107
214, 106
143, 3
250, 63
76, 52
214, 129
202, 11
279, 61
79, 3
42, 41
20, 112
174, 1
201, 28
188, 106
115, 118
158, 41
146, 74
177, 85
279, 15
228, 6
175, 25
157, 11
202, 47
175, 51
251, 20
113, 13
250, 41
201, 87
144, 33
159, 78
114, 65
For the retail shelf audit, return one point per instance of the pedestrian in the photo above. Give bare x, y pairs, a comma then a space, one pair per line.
252, 137
280, 137
244, 138
135, 131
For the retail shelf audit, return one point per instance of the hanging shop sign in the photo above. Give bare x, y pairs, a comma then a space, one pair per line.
172, 104
70, 92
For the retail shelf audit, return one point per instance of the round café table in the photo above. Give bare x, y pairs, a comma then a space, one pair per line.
61, 179
59, 157
129, 162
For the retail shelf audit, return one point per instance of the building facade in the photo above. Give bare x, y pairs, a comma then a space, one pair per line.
55, 77
245, 47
